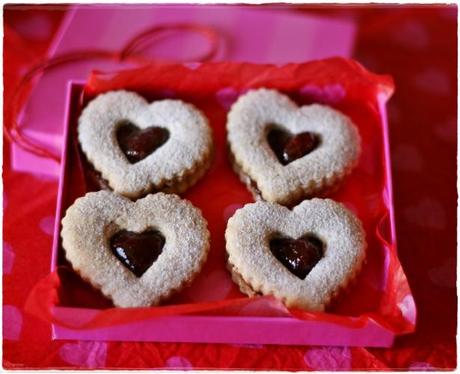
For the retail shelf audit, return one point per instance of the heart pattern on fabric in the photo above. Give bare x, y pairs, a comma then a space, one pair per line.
290, 152
139, 147
328, 252
85, 354
102, 231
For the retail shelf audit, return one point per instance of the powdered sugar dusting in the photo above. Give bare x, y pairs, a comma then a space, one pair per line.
247, 126
188, 148
94, 218
248, 233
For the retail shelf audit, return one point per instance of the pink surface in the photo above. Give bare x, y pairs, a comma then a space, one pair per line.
273, 35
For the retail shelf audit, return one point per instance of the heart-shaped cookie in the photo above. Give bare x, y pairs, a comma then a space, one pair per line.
136, 253
140, 147
302, 256
285, 153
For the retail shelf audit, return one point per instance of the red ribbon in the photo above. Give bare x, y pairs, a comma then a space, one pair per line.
131, 52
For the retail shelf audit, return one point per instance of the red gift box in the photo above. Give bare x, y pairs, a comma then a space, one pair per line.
373, 310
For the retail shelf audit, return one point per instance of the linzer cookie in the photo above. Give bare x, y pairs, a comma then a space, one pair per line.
140, 147
136, 253
286, 153
303, 256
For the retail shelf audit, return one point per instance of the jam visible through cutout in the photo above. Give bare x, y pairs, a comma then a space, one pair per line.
137, 144
299, 256
137, 251
288, 147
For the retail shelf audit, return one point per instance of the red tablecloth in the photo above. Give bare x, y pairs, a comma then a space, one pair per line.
418, 47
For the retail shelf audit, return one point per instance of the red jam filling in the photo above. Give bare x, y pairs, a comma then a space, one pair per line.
288, 147
137, 251
299, 256
137, 144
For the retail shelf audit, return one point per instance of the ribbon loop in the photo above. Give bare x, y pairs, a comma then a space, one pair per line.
14, 133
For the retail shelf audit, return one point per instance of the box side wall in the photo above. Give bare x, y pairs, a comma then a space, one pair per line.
73, 88
235, 330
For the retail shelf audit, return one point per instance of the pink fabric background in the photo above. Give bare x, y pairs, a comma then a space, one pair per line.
417, 45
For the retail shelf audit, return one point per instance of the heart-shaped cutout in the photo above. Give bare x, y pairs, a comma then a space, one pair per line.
290, 152
299, 256
305, 272
137, 253
288, 147
137, 144
140, 147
